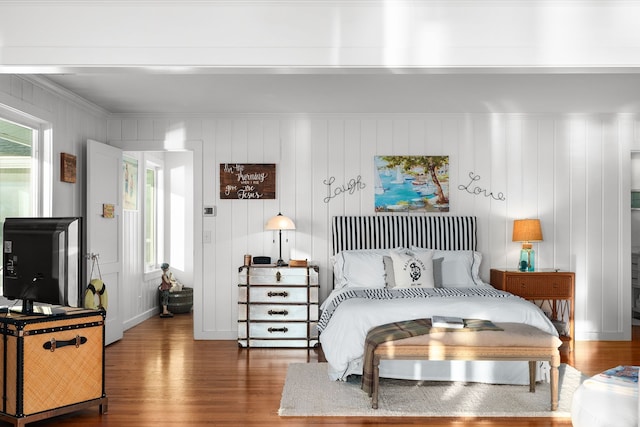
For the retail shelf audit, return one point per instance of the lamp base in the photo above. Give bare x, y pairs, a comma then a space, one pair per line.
281, 263
527, 260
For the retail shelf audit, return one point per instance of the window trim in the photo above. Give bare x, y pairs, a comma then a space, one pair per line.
42, 166
152, 161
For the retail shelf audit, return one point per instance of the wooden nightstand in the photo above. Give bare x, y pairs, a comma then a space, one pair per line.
550, 289
278, 306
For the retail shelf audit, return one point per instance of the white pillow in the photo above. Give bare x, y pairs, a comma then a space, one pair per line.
359, 268
460, 269
413, 269
389, 275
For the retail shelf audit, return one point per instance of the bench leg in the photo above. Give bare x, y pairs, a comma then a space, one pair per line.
376, 382
555, 362
532, 376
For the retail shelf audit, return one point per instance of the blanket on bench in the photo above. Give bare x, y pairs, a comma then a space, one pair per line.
405, 329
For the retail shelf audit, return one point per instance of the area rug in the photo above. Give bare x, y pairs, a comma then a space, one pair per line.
309, 392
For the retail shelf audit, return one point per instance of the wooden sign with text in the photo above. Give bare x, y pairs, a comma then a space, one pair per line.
247, 181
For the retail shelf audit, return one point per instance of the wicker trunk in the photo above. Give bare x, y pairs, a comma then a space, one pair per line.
51, 364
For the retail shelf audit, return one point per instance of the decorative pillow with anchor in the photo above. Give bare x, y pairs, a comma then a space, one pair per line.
413, 269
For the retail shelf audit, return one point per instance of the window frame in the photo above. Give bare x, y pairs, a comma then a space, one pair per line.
41, 159
152, 162
41, 187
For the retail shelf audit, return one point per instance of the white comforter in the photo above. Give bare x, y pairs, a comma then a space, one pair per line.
343, 335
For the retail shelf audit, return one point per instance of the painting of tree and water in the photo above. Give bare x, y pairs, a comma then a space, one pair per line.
411, 183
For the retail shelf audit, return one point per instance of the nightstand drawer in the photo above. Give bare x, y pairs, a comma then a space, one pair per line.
283, 343
277, 276
277, 312
278, 295
275, 330
538, 285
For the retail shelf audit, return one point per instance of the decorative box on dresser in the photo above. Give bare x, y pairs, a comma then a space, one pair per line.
278, 306
550, 289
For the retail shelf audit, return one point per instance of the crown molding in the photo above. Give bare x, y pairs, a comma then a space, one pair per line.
330, 3
65, 94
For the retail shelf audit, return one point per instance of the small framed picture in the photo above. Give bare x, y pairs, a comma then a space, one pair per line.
108, 210
67, 167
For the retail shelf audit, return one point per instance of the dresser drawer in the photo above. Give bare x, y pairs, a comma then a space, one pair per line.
278, 312
277, 294
285, 343
275, 330
536, 285
277, 276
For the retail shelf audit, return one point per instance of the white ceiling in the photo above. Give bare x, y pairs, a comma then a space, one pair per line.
354, 91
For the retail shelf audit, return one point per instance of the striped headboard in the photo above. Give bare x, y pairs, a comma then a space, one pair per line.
386, 232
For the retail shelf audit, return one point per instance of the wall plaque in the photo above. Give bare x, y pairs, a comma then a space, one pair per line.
67, 167
247, 181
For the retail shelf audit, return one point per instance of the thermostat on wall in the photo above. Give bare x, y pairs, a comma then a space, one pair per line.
209, 211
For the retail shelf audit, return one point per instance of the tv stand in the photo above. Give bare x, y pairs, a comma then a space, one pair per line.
51, 365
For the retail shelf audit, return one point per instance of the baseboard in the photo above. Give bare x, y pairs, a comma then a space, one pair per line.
216, 335
135, 321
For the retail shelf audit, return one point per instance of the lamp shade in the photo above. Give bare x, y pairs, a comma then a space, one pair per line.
527, 230
280, 222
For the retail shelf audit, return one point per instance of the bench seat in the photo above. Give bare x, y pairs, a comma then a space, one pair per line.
515, 342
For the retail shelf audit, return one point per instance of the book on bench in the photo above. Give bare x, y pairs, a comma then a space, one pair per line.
447, 322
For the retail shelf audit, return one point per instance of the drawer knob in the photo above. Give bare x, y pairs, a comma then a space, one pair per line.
278, 294
278, 276
272, 330
278, 312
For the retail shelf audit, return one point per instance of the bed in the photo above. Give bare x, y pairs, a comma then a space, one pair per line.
393, 268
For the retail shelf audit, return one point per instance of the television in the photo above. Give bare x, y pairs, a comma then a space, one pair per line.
42, 263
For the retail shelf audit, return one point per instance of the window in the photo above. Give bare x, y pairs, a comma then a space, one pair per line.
153, 218
25, 172
18, 171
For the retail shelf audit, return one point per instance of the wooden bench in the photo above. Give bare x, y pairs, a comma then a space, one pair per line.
516, 341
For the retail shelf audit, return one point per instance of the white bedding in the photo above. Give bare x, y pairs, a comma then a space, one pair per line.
343, 336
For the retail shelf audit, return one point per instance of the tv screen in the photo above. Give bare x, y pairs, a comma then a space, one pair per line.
42, 262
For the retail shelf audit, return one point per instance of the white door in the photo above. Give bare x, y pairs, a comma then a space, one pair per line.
104, 235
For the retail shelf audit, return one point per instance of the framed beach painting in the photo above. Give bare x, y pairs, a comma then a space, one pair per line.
411, 183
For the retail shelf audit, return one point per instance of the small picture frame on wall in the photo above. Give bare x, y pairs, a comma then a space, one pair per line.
130, 181
67, 167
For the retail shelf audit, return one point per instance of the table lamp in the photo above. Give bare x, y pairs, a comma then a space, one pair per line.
280, 222
527, 231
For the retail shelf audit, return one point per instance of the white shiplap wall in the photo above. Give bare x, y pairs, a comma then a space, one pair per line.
571, 171
72, 121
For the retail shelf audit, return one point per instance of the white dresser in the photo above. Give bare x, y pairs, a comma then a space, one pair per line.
278, 306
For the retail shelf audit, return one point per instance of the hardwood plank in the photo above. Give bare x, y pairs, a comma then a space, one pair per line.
159, 375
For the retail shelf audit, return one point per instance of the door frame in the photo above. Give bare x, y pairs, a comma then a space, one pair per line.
195, 146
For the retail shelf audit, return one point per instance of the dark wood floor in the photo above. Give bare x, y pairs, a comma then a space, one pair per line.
158, 375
